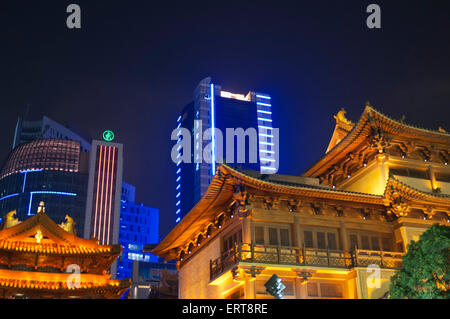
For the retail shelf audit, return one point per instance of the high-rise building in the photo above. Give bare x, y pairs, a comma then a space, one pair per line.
104, 192
103, 201
138, 226
218, 110
51, 170
46, 128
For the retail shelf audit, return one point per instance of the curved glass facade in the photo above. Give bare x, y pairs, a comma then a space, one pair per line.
45, 170
49, 154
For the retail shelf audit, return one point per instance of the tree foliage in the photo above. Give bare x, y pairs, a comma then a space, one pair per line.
425, 271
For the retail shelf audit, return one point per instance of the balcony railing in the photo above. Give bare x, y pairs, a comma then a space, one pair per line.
302, 257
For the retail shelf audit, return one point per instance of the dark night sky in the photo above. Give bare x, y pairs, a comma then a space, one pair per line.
134, 65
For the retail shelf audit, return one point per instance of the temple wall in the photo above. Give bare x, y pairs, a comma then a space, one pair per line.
195, 273
372, 180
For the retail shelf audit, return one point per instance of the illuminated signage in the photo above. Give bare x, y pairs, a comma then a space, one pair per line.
108, 135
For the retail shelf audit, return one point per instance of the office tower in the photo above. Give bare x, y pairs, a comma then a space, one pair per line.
46, 128
50, 170
139, 226
213, 108
104, 191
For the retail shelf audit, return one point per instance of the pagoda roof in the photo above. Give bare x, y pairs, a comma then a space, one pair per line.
395, 188
360, 132
220, 191
55, 240
54, 283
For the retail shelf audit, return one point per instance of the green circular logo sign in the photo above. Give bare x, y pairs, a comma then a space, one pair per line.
108, 135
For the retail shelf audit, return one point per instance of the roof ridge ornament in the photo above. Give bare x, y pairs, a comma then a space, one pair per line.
41, 208
10, 220
341, 118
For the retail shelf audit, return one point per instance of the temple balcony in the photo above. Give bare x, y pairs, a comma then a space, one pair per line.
308, 258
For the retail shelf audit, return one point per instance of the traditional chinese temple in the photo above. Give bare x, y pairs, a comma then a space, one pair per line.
380, 184
41, 259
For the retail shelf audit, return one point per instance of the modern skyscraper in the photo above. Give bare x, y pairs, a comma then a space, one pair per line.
213, 108
46, 128
138, 226
50, 170
103, 201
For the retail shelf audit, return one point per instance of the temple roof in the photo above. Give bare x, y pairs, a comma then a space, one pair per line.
360, 132
395, 188
53, 238
58, 281
220, 192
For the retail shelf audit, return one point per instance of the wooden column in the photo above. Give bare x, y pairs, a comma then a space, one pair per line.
343, 237
297, 232
250, 289
247, 230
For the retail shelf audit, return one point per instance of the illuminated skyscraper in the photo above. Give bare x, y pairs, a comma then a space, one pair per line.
213, 108
51, 170
104, 191
46, 128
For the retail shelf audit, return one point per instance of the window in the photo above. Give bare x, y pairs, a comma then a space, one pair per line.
230, 241
386, 244
332, 244
308, 239
259, 235
284, 237
370, 241
375, 242
324, 290
353, 242
313, 290
365, 242
272, 235
320, 238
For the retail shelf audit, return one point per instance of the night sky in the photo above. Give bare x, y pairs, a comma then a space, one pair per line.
134, 64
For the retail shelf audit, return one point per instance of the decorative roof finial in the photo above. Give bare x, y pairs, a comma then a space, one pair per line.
340, 117
69, 225
10, 220
41, 208
402, 120
368, 104
440, 129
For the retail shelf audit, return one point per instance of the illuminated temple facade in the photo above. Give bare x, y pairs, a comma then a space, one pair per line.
41, 259
380, 184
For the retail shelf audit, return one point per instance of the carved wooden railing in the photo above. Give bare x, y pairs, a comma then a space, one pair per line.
295, 256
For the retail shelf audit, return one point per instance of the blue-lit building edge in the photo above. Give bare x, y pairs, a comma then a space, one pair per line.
64, 193
139, 225
222, 113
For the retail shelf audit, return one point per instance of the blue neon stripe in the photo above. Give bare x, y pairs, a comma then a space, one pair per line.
46, 192
213, 137
263, 96
265, 112
263, 104
8, 196
262, 119
266, 127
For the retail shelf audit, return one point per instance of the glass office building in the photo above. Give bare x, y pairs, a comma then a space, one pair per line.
213, 108
50, 170
139, 225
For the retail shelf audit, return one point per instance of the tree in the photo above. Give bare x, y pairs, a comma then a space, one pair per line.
425, 271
